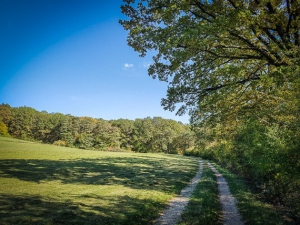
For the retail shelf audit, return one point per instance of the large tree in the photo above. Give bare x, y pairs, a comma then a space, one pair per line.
220, 57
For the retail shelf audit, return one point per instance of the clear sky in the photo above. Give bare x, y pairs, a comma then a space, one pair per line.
71, 56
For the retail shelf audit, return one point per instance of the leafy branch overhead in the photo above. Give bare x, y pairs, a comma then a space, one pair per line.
217, 51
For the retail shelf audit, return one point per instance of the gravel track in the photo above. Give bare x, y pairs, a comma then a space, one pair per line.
176, 206
230, 214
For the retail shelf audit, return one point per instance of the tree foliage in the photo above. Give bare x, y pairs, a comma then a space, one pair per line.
3, 129
140, 135
213, 52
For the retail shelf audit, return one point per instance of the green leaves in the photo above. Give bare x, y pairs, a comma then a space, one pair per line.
213, 47
141, 135
161, 135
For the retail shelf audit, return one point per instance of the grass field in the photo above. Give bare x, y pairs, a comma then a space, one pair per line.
44, 184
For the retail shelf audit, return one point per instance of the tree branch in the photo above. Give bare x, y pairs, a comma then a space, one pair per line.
200, 6
206, 91
200, 17
263, 53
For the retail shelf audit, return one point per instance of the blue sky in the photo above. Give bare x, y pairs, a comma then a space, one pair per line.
71, 56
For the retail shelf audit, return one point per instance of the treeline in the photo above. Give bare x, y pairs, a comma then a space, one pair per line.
140, 135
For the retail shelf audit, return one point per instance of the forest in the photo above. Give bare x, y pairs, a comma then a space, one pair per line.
140, 135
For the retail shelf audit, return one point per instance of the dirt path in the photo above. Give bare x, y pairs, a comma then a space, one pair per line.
176, 206
230, 213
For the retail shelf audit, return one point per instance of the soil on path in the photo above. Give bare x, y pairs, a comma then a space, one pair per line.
176, 206
230, 213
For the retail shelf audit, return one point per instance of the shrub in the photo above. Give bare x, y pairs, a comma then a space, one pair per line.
60, 143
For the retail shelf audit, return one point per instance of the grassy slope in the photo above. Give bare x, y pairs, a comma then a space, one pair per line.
44, 184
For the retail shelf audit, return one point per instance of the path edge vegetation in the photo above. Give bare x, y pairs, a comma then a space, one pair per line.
251, 207
205, 208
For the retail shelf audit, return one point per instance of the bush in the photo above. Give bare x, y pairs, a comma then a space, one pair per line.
3, 129
60, 143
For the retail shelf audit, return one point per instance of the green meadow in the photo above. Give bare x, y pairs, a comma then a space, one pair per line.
45, 184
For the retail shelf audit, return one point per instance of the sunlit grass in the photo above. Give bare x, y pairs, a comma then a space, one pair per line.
44, 184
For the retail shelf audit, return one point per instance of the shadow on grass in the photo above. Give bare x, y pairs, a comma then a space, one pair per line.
36, 210
168, 175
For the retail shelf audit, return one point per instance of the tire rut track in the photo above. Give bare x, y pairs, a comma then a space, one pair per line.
176, 206
230, 214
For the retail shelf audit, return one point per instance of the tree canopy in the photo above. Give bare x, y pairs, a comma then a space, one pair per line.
141, 135
219, 57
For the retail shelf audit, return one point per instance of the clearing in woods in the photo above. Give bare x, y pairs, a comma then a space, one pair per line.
44, 184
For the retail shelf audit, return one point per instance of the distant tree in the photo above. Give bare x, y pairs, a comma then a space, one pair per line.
126, 128
67, 131
3, 129
42, 127
23, 123
184, 141
82, 130
143, 135
5, 119
6, 114
55, 122
86, 124
158, 135
106, 135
